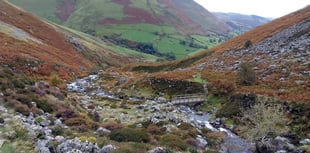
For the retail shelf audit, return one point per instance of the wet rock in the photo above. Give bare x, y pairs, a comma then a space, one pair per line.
158, 150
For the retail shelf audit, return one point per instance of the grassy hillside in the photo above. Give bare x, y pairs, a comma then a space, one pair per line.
163, 28
217, 64
39, 48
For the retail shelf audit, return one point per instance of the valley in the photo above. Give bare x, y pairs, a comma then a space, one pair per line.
117, 76
166, 29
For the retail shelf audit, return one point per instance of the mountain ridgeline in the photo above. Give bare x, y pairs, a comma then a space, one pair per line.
167, 29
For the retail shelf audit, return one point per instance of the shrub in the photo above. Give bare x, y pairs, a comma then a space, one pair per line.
21, 108
248, 44
220, 87
154, 129
76, 121
39, 120
58, 131
229, 109
55, 79
193, 150
66, 113
18, 84
246, 74
128, 134
112, 126
92, 140
185, 126
46, 107
263, 119
20, 133
174, 142
113, 106
1, 120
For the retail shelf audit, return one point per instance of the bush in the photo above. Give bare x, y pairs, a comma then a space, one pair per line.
45, 106
128, 134
58, 131
20, 133
39, 120
113, 106
229, 109
220, 87
246, 74
174, 142
55, 80
185, 126
263, 119
248, 44
112, 126
154, 129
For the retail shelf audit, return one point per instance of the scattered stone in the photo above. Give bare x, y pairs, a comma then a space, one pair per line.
76, 145
158, 150
305, 141
102, 131
201, 142
107, 149
59, 139
1, 142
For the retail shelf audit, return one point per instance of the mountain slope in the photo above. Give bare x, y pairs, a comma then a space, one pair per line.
242, 23
39, 48
279, 54
168, 29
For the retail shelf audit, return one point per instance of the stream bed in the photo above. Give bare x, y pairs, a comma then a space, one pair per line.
89, 87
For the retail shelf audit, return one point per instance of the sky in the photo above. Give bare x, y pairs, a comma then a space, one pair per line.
264, 8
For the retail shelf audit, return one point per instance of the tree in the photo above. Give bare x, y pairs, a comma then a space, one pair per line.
246, 74
263, 119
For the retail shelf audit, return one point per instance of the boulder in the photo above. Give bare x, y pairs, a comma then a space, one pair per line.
102, 131
44, 146
59, 139
107, 149
201, 142
1, 142
305, 141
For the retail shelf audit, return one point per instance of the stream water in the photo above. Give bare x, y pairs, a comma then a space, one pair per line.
232, 143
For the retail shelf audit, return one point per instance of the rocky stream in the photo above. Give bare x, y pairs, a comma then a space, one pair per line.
87, 91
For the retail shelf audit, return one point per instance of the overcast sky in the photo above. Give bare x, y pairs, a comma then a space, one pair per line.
265, 8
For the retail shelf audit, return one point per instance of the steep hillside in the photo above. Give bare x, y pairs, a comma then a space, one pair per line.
242, 23
279, 52
168, 29
37, 47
